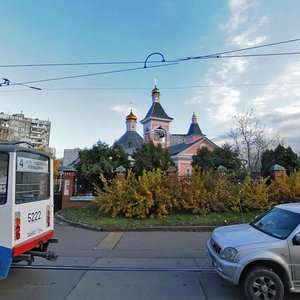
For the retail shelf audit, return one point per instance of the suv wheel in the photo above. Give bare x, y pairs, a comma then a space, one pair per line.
261, 282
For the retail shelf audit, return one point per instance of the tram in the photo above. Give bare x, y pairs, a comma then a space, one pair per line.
26, 205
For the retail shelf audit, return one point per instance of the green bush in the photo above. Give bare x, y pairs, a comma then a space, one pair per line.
254, 195
286, 188
157, 194
194, 194
224, 196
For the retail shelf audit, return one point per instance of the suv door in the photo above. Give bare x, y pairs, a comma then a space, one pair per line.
295, 257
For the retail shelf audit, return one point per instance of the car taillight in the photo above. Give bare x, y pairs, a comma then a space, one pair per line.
48, 216
17, 225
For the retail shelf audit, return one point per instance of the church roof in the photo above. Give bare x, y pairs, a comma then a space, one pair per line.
175, 149
157, 111
130, 140
194, 129
277, 168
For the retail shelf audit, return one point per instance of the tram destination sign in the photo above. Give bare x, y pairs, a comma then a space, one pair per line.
25, 164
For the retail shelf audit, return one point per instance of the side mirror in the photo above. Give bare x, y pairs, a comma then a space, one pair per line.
296, 239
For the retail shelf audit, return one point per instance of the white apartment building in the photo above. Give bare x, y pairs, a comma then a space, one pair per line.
16, 127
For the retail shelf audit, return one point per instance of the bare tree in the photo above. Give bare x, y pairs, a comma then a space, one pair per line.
251, 140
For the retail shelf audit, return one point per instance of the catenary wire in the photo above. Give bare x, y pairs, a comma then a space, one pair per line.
241, 49
252, 55
161, 88
91, 74
140, 68
166, 63
207, 56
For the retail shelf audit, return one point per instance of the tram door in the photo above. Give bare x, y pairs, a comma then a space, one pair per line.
3, 177
5, 252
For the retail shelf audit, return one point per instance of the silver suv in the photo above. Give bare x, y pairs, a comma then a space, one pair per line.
264, 256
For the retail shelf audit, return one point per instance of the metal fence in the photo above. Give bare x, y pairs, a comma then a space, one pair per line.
57, 188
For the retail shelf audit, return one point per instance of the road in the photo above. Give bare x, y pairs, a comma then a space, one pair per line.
81, 247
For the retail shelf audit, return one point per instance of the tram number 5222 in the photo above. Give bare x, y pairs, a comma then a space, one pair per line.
34, 216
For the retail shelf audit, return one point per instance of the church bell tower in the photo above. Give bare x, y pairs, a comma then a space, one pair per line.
156, 122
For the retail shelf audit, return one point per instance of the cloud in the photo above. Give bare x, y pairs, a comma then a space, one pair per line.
259, 103
242, 29
245, 40
239, 16
123, 109
285, 89
231, 66
292, 110
239, 6
286, 121
249, 37
244, 24
279, 105
223, 102
276, 100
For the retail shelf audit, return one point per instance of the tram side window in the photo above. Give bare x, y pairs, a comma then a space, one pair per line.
32, 177
3, 177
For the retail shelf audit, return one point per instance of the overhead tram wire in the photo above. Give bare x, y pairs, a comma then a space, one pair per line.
7, 82
92, 74
151, 62
215, 55
80, 64
161, 88
207, 56
165, 63
251, 55
175, 88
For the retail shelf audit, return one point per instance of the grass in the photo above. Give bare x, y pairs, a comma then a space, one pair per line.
92, 217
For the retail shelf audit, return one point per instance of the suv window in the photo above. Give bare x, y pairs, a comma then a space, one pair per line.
277, 222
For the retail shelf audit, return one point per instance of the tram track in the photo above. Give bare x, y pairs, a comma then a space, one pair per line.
114, 269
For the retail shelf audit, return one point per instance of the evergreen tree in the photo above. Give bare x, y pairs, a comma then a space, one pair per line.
228, 158
285, 157
204, 159
149, 157
211, 160
100, 159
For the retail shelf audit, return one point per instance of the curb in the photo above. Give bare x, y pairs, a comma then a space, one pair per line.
60, 218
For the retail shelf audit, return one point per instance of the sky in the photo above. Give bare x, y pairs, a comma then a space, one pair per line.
39, 37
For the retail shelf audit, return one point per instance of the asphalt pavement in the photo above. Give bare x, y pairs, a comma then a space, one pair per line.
150, 249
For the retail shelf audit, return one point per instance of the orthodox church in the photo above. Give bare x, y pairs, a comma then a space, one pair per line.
156, 127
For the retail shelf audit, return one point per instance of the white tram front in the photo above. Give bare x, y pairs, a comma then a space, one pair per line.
26, 205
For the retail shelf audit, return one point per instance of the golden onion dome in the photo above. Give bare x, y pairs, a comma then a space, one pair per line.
155, 91
131, 117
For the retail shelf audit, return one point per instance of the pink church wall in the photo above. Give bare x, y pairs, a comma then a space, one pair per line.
184, 165
192, 139
183, 160
193, 149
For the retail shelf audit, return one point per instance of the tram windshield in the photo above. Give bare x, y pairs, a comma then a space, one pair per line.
3, 177
32, 177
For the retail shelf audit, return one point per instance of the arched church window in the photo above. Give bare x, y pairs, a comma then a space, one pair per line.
159, 134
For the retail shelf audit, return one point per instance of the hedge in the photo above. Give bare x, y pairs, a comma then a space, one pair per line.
158, 194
